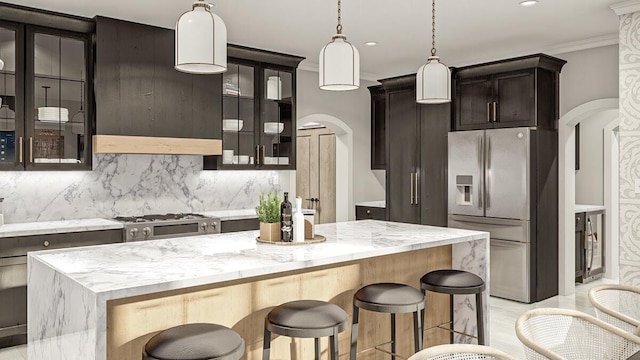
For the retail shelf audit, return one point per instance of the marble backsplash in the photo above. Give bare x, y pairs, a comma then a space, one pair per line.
121, 185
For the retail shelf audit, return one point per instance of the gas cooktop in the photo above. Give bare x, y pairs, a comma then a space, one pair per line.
160, 217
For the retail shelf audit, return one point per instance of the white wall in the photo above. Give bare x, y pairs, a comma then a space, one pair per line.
353, 108
589, 75
590, 177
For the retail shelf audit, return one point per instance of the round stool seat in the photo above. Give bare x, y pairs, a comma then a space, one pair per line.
195, 342
452, 282
308, 314
389, 298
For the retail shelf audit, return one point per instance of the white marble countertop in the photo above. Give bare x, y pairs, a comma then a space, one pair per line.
238, 214
136, 268
378, 203
57, 227
580, 208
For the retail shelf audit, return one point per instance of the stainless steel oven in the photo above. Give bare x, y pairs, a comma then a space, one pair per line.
152, 227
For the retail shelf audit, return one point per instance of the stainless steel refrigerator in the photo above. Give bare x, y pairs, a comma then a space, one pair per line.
491, 186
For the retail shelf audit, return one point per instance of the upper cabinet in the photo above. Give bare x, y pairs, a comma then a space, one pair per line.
508, 93
46, 92
141, 97
258, 111
378, 128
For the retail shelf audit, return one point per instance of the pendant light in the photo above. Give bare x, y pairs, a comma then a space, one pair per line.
339, 62
53, 114
201, 41
433, 81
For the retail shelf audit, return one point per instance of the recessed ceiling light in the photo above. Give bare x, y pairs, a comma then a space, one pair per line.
528, 2
371, 43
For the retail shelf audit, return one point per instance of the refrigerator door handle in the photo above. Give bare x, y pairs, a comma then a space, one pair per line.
411, 188
487, 181
480, 153
416, 191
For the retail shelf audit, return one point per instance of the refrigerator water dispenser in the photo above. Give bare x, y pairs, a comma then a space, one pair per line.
464, 184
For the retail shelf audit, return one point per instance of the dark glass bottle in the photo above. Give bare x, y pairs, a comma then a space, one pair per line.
286, 220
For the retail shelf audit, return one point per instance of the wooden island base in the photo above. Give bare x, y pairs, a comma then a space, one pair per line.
243, 305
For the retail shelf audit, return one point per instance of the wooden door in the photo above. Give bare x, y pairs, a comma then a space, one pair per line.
434, 126
514, 96
403, 157
316, 172
473, 104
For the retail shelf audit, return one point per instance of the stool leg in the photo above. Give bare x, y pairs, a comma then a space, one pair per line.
393, 336
354, 333
417, 330
451, 318
317, 347
333, 346
480, 318
266, 344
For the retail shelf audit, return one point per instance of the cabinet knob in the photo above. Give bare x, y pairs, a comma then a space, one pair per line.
577, 219
368, 212
46, 243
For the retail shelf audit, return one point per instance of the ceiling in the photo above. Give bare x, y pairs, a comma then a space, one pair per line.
468, 31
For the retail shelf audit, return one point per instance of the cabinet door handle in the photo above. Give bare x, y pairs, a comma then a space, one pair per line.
416, 192
31, 149
495, 111
263, 154
488, 112
21, 149
411, 188
257, 161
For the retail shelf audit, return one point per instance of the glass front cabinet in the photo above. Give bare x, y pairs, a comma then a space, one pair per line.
258, 111
46, 98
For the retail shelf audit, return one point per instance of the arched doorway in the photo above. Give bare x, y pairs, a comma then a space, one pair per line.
344, 161
567, 189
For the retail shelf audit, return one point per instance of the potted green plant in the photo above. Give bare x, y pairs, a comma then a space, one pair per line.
268, 211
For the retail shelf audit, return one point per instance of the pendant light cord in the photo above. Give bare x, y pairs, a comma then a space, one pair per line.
339, 27
433, 28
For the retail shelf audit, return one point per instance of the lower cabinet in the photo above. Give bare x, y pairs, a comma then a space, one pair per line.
239, 225
370, 213
416, 148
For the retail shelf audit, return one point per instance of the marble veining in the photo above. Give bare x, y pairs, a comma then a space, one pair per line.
57, 227
126, 185
378, 203
69, 288
580, 208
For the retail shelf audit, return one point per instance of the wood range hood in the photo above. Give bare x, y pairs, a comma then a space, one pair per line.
151, 145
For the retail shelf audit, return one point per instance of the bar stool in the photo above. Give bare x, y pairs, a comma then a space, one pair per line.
306, 319
392, 299
195, 341
457, 282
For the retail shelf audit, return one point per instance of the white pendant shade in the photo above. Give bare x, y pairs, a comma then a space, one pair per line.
53, 114
1, 64
433, 82
339, 65
201, 41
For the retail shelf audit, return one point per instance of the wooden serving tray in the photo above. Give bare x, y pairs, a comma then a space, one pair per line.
316, 239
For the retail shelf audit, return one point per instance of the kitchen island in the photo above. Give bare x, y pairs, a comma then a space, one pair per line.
105, 302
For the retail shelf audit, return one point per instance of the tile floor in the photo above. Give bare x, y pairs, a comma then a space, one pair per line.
504, 314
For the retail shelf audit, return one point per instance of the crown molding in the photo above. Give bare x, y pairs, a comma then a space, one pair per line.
313, 67
626, 7
585, 44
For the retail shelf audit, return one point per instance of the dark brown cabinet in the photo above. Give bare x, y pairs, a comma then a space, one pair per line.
378, 128
138, 91
46, 90
258, 97
370, 213
416, 155
508, 93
